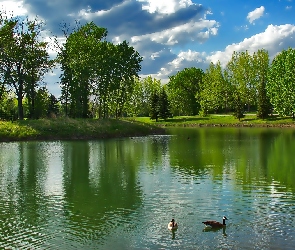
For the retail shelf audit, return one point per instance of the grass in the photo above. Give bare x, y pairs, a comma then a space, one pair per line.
219, 120
72, 129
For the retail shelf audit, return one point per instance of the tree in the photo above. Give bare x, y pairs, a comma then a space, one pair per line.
159, 105
98, 69
125, 68
241, 74
261, 64
154, 106
78, 61
164, 105
53, 106
8, 107
23, 57
182, 90
281, 82
238, 106
215, 91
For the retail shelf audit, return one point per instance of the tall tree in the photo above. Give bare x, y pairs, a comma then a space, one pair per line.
99, 69
183, 89
155, 106
164, 105
23, 57
125, 68
53, 106
261, 66
281, 82
78, 60
241, 74
215, 91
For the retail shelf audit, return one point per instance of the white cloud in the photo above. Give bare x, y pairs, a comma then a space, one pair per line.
255, 14
273, 39
164, 7
190, 56
13, 7
193, 31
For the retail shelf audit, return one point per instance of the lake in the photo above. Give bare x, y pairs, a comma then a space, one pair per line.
121, 193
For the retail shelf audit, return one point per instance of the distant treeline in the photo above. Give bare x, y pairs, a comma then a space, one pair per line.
100, 79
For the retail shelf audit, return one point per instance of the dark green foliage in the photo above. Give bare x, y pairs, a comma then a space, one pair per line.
53, 107
239, 108
263, 103
164, 105
24, 58
159, 105
183, 89
154, 106
93, 67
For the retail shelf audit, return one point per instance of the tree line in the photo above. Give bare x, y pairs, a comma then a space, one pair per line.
100, 79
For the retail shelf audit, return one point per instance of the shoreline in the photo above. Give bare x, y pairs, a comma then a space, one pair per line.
90, 129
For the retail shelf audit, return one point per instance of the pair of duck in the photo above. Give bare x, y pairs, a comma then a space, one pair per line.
172, 225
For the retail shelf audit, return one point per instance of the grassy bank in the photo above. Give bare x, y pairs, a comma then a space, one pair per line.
250, 120
72, 129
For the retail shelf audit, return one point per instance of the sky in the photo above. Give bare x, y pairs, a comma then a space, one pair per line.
172, 35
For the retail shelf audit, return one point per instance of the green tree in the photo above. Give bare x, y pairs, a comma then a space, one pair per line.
183, 89
154, 106
134, 106
8, 106
164, 105
215, 91
53, 106
139, 103
238, 106
93, 67
23, 57
281, 82
78, 61
241, 74
125, 68
261, 64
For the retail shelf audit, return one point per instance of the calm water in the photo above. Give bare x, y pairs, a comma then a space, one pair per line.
121, 193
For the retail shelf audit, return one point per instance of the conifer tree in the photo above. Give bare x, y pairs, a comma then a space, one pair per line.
164, 105
154, 106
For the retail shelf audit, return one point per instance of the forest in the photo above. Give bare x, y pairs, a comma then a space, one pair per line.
100, 79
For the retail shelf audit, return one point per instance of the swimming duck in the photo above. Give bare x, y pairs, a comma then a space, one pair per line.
172, 225
215, 224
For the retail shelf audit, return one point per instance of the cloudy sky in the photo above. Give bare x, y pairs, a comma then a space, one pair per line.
173, 34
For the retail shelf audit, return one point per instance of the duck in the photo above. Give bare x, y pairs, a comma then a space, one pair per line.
215, 224
172, 225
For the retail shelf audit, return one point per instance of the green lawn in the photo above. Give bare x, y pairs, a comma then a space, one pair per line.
218, 120
66, 128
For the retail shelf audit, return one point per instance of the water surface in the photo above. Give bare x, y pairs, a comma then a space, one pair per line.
121, 193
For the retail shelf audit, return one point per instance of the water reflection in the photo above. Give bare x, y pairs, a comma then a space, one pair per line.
120, 193
216, 230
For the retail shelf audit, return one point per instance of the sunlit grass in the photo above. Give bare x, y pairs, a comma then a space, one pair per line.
66, 128
218, 120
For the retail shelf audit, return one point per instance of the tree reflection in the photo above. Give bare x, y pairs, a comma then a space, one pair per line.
105, 200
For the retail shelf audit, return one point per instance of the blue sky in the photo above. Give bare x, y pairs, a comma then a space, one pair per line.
173, 34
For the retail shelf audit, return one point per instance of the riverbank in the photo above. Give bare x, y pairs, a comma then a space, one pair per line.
91, 129
250, 120
73, 129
